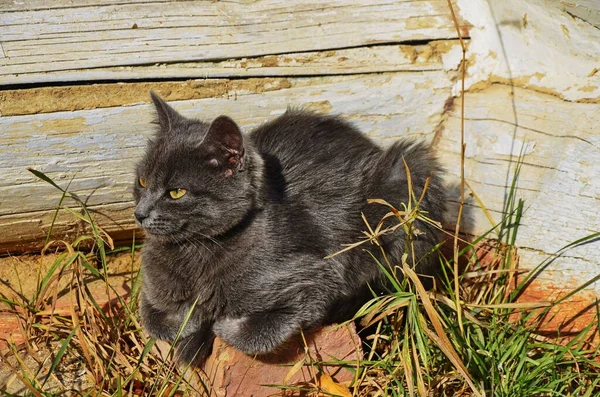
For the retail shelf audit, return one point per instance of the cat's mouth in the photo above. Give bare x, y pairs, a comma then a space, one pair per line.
155, 232
162, 229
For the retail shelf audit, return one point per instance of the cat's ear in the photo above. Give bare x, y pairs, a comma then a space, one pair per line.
167, 116
225, 144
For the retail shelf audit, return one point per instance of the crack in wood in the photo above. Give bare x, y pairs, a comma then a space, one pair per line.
555, 255
521, 126
575, 16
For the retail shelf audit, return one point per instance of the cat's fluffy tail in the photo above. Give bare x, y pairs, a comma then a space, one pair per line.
391, 180
391, 183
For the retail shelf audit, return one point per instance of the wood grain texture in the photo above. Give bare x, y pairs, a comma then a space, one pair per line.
94, 151
558, 180
112, 34
36, 5
533, 44
533, 82
433, 55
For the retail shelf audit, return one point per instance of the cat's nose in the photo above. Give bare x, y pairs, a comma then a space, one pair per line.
140, 216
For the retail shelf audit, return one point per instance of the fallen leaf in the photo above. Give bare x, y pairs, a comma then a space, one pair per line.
328, 385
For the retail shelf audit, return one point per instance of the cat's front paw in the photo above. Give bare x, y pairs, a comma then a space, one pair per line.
160, 332
239, 333
231, 330
229, 326
195, 348
253, 335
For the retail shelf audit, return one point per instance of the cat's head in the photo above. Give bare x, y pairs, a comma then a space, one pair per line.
196, 179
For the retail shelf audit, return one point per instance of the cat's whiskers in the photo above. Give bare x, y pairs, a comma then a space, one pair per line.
193, 241
177, 241
214, 240
199, 237
182, 243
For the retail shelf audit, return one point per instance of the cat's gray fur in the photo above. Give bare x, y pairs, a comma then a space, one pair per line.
246, 244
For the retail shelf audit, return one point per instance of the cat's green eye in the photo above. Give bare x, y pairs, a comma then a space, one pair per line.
142, 181
177, 193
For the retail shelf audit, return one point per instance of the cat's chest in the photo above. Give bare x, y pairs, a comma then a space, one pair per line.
180, 277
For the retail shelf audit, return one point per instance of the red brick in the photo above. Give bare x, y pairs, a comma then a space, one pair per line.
234, 374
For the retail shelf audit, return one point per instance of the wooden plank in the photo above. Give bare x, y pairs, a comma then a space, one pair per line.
533, 44
33, 5
138, 33
558, 180
434, 55
586, 10
79, 97
95, 150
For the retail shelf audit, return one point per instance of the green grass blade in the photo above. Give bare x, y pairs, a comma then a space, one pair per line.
46, 179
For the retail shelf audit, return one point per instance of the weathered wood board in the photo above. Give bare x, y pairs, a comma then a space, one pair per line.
95, 150
432, 56
374, 59
560, 145
99, 35
110, 40
534, 44
533, 82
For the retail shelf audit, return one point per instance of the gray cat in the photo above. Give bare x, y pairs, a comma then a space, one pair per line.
237, 226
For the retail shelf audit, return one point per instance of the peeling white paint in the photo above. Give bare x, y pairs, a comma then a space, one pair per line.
99, 36
543, 58
507, 146
558, 180
534, 44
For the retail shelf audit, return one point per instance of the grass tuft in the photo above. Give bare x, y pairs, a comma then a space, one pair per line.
101, 341
476, 340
